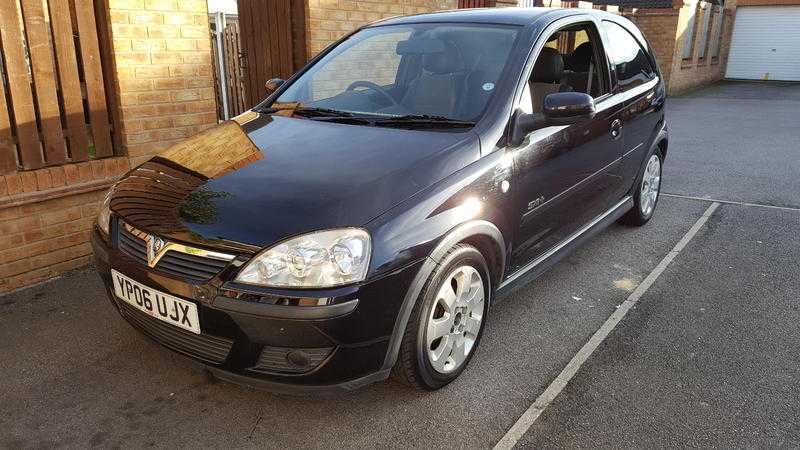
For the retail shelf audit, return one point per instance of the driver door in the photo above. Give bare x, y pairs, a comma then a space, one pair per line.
566, 175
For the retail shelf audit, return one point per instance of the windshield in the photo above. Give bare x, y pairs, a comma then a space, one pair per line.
415, 71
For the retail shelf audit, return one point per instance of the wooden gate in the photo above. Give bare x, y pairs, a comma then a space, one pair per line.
229, 78
273, 42
475, 3
53, 105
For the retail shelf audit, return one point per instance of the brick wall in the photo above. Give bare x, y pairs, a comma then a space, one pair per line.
46, 216
163, 82
693, 72
328, 20
665, 30
659, 27
165, 85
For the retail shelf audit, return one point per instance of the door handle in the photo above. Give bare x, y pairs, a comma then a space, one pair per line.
616, 129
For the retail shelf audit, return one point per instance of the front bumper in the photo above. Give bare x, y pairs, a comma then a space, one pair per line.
259, 338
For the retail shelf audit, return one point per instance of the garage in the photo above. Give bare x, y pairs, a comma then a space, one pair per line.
765, 44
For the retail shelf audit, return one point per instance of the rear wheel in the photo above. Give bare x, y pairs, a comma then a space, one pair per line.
446, 325
646, 194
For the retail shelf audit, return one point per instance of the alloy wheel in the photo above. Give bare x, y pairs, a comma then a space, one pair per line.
455, 319
651, 182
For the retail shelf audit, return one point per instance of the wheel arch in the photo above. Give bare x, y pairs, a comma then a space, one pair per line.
483, 235
662, 144
659, 144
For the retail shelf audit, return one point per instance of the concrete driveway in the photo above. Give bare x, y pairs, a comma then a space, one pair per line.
706, 355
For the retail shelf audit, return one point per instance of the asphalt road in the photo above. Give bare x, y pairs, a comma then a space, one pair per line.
707, 358
736, 141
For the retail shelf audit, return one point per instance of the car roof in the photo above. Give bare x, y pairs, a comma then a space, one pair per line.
505, 16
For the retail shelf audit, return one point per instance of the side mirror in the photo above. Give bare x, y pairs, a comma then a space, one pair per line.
565, 108
559, 108
273, 85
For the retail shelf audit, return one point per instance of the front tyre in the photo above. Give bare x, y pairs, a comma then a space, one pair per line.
447, 322
646, 194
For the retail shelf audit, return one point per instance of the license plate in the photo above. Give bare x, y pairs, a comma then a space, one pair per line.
162, 306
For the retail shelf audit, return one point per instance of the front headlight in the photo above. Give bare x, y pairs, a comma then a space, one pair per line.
104, 216
314, 260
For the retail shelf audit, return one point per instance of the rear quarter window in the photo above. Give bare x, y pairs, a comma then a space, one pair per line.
629, 59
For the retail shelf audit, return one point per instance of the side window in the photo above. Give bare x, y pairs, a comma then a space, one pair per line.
628, 57
567, 63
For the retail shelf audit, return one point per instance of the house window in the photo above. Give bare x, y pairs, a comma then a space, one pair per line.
719, 21
688, 36
704, 35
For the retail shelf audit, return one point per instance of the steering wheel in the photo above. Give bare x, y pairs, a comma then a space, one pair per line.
372, 87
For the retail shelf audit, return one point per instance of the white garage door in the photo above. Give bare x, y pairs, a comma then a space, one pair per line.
765, 43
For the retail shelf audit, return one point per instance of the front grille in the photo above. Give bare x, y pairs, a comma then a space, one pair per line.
131, 245
184, 265
212, 349
190, 266
290, 360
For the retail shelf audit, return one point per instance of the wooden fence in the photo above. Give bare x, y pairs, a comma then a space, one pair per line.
53, 103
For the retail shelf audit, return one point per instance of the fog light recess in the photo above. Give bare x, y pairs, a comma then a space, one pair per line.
278, 360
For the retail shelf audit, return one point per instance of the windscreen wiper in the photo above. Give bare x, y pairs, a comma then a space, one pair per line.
306, 111
423, 119
330, 115
320, 112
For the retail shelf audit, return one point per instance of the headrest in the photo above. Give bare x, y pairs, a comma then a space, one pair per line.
549, 67
420, 46
438, 56
447, 61
580, 58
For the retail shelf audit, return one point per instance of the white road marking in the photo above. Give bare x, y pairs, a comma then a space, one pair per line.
527, 419
730, 202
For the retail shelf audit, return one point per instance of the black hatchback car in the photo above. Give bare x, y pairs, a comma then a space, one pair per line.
364, 217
